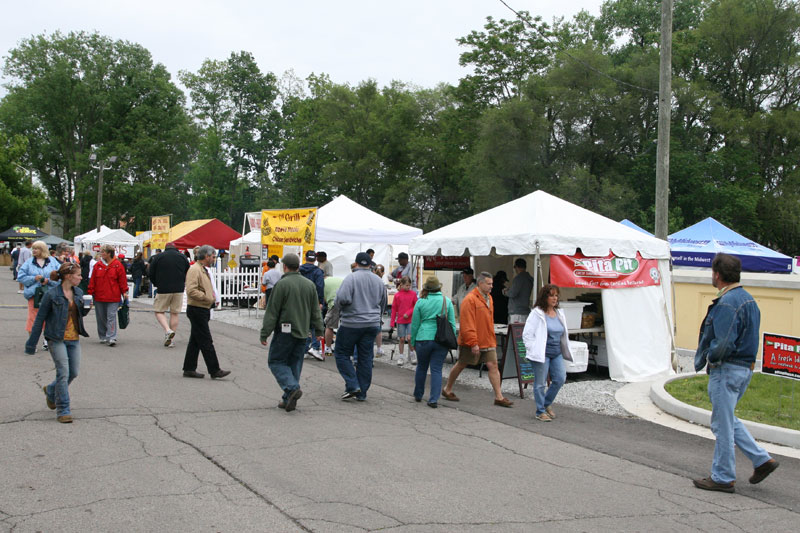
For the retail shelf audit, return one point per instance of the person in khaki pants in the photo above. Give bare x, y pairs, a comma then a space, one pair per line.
476, 340
200, 298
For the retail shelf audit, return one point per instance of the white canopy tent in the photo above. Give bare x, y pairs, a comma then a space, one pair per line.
638, 321
345, 228
121, 240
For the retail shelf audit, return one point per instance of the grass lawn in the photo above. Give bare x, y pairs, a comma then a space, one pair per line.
760, 403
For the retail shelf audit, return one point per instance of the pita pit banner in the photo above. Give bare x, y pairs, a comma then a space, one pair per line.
781, 356
289, 227
609, 272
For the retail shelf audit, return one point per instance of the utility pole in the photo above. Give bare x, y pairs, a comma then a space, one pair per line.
664, 113
101, 167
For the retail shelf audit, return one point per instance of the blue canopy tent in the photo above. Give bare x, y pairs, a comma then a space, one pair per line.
626, 222
697, 245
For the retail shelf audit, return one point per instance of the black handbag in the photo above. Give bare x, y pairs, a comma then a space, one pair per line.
38, 295
123, 315
445, 336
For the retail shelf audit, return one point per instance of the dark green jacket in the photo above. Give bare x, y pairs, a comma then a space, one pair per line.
293, 300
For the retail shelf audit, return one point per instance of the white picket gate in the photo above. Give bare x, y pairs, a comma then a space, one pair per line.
235, 285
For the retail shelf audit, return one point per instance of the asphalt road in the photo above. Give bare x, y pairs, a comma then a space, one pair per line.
153, 451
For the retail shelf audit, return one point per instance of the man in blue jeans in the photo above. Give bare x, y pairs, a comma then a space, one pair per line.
728, 344
314, 274
361, 299
293, 306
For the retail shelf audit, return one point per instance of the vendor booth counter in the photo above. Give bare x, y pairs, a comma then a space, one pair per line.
539, 227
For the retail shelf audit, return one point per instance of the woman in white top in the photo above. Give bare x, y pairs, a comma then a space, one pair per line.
546, 346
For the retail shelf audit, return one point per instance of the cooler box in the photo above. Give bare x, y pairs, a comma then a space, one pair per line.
573, 311
580, 357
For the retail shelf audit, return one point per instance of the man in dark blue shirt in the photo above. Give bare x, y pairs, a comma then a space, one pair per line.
312, 272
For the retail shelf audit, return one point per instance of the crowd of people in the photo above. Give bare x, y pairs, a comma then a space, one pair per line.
309, 310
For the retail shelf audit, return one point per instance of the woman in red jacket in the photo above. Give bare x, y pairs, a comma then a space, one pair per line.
108, 285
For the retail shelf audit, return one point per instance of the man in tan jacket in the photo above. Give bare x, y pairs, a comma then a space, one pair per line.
200, 300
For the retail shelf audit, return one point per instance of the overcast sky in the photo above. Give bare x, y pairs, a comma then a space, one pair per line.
351, 40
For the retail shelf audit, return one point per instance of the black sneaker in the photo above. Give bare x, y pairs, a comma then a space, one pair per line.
351, 394
291, 401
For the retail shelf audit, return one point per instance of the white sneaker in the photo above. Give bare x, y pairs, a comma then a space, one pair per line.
413, 359
103, 341
379, 352
20, 292
168, 336
316, 355
44, 346
171, 344
112, 342
328, 351
400, 361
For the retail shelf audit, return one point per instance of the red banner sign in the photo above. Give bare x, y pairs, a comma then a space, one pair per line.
781, 356
446, 262
609, 272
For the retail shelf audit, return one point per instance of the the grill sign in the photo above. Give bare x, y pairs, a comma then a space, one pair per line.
609, 272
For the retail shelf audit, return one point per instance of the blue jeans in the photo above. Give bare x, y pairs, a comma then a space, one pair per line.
558, 375
429, 353
312, 341
726, 386
67, 358
137, 285
286, 361
358, 377
106, 315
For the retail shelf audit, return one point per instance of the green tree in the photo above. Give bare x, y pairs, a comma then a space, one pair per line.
22, 202
71, 95
235, 105
503, 57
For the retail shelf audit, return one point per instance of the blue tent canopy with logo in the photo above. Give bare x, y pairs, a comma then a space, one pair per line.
697, 245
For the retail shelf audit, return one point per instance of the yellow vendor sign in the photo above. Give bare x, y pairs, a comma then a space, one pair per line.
289, 227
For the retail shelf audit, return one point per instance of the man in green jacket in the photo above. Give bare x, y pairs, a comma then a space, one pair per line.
293, 307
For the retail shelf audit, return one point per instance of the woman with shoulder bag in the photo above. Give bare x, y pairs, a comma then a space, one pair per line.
108, 285
61, 313
431, 304
33, 274
547, 346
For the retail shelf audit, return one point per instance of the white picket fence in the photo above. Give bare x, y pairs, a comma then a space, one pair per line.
233, 285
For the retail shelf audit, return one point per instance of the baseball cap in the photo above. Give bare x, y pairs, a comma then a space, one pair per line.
402, 255
311, 256
362, 258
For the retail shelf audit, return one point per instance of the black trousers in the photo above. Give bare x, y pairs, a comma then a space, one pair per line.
200, 340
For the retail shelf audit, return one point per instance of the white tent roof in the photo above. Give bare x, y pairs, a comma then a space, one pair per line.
106, 235
343, 220
251, 237
557, 226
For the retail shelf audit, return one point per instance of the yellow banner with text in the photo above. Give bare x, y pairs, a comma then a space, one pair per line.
289, 227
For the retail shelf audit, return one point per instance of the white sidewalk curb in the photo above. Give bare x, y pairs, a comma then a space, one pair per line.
695, 415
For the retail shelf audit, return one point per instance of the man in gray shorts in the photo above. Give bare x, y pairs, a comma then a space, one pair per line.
168, 273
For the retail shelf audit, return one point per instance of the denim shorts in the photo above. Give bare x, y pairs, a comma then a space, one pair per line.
403, 330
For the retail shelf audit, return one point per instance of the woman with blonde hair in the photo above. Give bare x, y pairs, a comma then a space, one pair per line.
108, 285
34, 273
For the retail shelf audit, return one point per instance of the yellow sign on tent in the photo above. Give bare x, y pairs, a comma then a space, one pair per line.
289, 227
